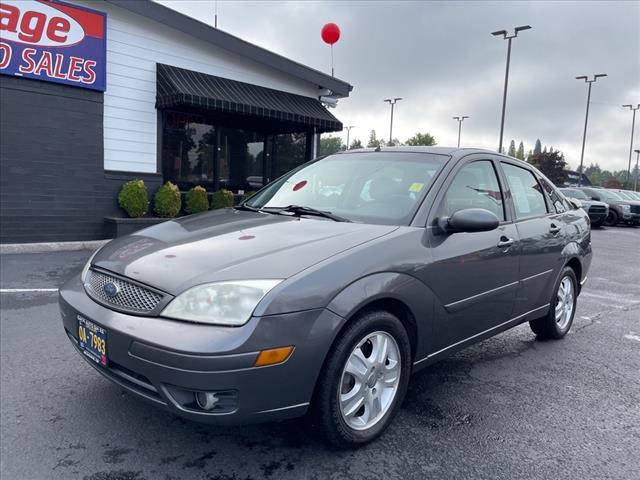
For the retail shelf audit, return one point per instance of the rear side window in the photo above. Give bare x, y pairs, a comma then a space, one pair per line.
526, 192
556, 200
474, 186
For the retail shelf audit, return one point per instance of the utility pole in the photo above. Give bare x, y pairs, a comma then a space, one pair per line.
460, 120
348, 129
633, 124
635, 184
392, 102
508, 37
586, 119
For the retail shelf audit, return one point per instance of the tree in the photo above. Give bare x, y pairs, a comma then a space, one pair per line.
329, 145
552, 164
393, 143
356, 144
425, 139
373, 140
520, 152
512, 149
538, 148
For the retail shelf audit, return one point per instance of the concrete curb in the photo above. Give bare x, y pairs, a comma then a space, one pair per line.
12, 248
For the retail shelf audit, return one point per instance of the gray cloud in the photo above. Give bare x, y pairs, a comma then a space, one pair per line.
441, 58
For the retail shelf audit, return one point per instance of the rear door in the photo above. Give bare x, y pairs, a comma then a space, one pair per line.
474, 275
542, 232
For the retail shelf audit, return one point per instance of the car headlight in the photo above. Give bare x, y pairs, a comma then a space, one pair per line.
626, 208
85, 269
221, 303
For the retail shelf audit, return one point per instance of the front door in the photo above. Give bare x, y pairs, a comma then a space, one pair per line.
473, 275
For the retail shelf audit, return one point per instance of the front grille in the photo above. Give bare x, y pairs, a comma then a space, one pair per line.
128, 296
635, 208
597, 209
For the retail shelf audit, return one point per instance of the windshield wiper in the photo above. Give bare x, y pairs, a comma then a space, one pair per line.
302, 210
244, 206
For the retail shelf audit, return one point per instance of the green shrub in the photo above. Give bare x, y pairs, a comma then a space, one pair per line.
167, 201
221, 199
133, 198
197, 200
247, 196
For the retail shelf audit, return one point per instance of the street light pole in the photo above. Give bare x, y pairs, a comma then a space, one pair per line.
348, 129
460, 120
508, 37
586, 119
633, 124
391, 102
635, 184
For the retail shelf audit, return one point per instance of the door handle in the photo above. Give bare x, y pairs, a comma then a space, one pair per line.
554, 228
505, 242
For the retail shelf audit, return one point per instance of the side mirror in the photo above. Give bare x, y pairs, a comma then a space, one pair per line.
469, 220
575, 203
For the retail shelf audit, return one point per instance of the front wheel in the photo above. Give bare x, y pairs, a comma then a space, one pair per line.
363, 381
612, 218
562, 309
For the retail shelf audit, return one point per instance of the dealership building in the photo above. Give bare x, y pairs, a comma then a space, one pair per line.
95, 93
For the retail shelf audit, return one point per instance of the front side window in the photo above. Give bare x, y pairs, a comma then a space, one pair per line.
475, 186
371, 187
526, 192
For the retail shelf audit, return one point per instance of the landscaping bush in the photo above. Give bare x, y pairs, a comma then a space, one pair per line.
221, 199
197, 200
133, 198
167, 202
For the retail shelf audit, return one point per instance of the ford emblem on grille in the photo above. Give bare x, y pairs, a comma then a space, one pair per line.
110, 289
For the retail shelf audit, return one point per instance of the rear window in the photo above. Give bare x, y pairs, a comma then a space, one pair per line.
526, 192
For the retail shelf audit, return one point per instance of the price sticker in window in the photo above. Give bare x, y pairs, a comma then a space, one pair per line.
416, 187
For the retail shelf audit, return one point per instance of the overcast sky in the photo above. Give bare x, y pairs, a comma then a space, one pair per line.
441, 58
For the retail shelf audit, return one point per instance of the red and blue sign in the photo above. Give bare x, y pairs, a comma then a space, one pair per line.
53, 41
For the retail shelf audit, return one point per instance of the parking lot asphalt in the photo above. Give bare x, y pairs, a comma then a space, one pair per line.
509, 407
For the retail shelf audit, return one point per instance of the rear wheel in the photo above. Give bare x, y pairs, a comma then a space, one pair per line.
612, 218
557, 322
363, 380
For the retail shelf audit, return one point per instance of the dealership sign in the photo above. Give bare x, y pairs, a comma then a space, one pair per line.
53, 41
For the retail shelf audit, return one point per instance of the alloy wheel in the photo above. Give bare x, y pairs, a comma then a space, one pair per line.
564, 303
370, 379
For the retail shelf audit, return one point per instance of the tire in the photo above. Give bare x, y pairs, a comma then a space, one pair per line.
612, 218
599, 223
337, 428
549, 326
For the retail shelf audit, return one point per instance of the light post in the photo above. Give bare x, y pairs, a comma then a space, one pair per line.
586, 117
635, 184
348, 129
633, 124
508, 37
460, 120
392, 103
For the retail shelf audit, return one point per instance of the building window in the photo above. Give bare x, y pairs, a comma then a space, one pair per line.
199, 149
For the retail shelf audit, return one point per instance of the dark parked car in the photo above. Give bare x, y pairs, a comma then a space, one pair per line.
324, 291
597, 211
620, 210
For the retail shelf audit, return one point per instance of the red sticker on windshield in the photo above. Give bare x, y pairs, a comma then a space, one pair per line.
299, 185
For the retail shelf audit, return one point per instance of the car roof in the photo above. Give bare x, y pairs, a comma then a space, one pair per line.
428, 149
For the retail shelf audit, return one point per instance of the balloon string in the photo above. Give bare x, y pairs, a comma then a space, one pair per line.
332, 60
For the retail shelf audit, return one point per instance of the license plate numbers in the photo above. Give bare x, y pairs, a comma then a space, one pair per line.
92, 339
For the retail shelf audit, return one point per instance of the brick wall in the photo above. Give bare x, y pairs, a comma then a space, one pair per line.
53, 186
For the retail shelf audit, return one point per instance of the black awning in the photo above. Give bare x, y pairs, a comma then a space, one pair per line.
179, 87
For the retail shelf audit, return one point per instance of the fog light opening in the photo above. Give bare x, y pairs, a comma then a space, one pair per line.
207, 400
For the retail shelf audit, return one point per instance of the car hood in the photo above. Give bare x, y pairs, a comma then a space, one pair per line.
588, 203
229, 245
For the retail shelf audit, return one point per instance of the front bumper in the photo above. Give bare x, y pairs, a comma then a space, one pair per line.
631, 218
165, 361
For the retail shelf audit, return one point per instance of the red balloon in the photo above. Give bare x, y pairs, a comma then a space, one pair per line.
330, 33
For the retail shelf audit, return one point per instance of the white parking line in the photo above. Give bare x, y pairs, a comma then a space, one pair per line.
27, 290
632, 336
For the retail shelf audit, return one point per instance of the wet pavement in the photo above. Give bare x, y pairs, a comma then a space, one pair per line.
509, 407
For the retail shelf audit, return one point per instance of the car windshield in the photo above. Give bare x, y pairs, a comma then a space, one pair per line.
573, 193
367, 187
625, 195
635, 195
608, 195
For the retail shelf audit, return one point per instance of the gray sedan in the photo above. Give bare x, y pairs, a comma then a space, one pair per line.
322, 293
